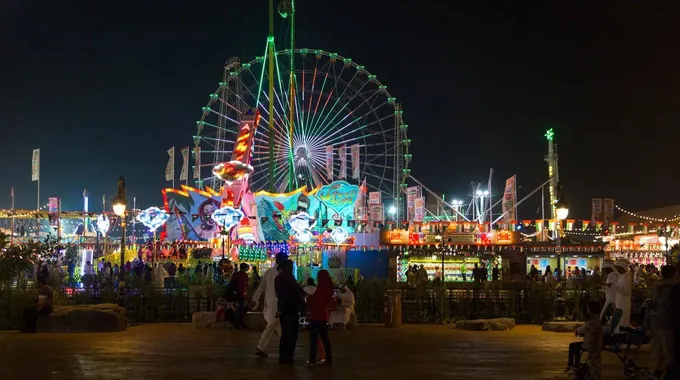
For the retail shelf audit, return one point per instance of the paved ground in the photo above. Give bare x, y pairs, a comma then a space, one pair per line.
178, 351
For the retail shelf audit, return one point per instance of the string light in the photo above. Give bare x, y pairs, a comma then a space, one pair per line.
673, 218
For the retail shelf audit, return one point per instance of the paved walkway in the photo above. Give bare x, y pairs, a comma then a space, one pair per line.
178, 351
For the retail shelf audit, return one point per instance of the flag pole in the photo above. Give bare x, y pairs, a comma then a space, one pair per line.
173, 167
11, 240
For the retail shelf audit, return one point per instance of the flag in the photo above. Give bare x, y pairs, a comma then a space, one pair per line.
342, 152
35, 166
11, 192
329, 163
170, 167
184, 174
354, 154
197, 162
510, 200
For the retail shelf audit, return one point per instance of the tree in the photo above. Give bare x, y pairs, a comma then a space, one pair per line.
15, 259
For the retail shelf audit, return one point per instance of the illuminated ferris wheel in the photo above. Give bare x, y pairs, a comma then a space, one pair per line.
345, 125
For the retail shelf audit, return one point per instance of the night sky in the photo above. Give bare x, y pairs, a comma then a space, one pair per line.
105, 88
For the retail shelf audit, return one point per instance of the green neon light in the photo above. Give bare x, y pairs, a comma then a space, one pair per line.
549, 134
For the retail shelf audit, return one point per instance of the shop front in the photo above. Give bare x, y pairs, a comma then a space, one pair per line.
567, 256
645, 249
454, 250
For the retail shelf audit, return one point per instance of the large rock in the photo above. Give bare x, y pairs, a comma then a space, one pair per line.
84, 318
561, 327
500, 324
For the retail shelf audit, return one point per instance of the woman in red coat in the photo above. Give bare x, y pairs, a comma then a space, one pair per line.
319, 307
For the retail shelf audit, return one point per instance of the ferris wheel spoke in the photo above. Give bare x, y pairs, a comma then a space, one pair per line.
319, 124
311, 94
329, 138
315, 114
330, 127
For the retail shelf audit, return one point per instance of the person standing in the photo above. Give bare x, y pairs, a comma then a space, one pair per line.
319, 307
662, 320
290, 303
241, 280
495, 273
609, 288
624, 288
43, 307
267, 287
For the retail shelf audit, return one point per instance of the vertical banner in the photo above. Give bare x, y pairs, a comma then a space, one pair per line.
411, 195
53, 211
419, 206
197, 162
342, 152
184, 174
35, 166
354, 153
608, 211
374, 198
329, 163
376, 212
170, 167
510, 199
596, 210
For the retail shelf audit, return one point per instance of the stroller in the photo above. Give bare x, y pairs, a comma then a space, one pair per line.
626, 345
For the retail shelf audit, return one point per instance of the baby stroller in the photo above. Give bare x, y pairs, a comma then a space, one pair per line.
626, 345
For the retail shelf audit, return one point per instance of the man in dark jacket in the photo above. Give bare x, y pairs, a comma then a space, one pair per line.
289, 304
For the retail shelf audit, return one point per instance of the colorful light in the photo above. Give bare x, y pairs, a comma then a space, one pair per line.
153, 218
103, 224
232, 171
339, 235
227, 217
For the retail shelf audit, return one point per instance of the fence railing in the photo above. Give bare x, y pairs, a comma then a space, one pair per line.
418, 305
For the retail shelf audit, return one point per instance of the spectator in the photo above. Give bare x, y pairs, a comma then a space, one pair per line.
42, 307
240, 279
495, 273
662, 320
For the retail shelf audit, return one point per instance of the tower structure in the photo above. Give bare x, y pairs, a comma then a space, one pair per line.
553, 170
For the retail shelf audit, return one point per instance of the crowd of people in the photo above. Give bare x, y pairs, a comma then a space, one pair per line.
608, 324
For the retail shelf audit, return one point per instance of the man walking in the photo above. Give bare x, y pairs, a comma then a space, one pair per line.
267, 287
289, 304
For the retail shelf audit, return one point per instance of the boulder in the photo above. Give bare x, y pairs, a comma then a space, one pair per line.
561, 327
84, 318
499, 324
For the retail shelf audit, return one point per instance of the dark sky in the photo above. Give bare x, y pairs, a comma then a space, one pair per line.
105, 88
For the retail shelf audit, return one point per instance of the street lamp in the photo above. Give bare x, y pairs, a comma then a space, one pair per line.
561, 212
119, 207
392, 210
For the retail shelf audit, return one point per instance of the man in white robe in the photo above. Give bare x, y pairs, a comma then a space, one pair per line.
344, 312
270, 306
159, 276
624, 290
609, 288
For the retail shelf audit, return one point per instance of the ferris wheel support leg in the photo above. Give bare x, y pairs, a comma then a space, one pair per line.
270, 43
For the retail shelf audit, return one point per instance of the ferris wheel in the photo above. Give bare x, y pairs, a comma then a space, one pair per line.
346, 126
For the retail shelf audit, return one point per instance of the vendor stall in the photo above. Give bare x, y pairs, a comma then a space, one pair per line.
566, 255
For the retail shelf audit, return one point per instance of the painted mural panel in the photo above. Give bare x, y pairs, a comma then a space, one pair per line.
190, 214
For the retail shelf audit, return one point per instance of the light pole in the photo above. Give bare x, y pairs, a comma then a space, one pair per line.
561, 211
456, 203
119, 206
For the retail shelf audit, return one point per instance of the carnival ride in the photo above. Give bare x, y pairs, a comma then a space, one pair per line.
324, 118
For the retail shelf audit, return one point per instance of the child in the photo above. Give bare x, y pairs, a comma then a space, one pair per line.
309, 290
592, 334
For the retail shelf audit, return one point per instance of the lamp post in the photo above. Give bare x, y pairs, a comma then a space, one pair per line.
561, 211
119, 207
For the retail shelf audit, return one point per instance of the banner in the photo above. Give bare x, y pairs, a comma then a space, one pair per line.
342, 152
374, 198
596, 210
411, 194
35, 165
419, 206
184, 174
510, 200
376, 212
608, 212
354, 152
170, 167
197, 162
329, 163
53, 211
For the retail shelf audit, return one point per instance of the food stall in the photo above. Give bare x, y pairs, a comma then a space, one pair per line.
567, 253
